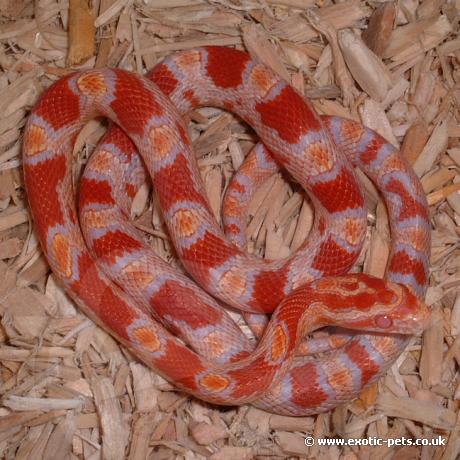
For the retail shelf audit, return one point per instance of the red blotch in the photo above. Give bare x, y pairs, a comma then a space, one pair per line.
190, 96
237, 187
95, 191
209, 251
183, 134
101, 298
371, 281
289, 115
134, 104
115, 244
339, 194
179, 365
364, 362
263, 374
118, 137
42, 181
306, 390
351, 283
362, 300
172, 294
130, 190
232, 229
349, 286
59, 106
163, 78
333, 259
370, 154
322, 225
269, 290
226, 66
409, 206
174, 181
402, 263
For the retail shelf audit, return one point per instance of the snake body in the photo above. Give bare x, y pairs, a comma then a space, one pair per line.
153, 308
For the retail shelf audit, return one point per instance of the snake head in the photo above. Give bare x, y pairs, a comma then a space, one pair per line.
365, 303
408, 315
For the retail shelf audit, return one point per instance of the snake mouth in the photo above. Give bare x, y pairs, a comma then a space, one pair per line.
421, 321
410, 321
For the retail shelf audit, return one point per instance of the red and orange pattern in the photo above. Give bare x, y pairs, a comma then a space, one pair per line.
153, 308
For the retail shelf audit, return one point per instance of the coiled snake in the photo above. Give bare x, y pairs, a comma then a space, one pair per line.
153, 308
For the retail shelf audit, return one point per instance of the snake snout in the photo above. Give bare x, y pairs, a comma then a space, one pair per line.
421, 318
412, 315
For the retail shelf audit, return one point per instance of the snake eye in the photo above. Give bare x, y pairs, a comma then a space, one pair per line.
383, 321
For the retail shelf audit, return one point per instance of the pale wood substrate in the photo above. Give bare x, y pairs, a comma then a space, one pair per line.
68, 389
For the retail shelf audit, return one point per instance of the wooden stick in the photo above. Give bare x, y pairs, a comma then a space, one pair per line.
81, 33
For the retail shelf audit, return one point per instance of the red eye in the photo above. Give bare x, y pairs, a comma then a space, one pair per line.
383, 321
